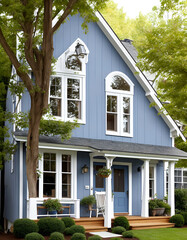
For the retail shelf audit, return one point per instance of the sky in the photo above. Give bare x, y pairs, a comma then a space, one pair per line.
133, 7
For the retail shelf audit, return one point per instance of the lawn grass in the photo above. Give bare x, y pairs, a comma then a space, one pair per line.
161, 234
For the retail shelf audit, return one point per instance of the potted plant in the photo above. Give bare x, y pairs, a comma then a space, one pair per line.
104, 172
52, 205
89, 201
157, 207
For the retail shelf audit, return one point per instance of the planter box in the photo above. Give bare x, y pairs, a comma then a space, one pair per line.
157, 212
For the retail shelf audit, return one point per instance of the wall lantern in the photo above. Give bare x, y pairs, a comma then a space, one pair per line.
85, 169
139, 169
80, 50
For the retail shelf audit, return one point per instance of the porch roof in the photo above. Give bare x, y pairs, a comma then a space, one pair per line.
110, 146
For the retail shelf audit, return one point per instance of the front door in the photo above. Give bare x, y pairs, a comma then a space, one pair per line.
120, 188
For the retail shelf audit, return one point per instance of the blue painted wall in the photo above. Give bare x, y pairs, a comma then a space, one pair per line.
160, 180
11, 204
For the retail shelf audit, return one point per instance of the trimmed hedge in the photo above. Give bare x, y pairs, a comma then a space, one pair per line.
67, 231
68, 221
177, 219
23, 227
118, 230
184, 214
56, 236
121, 221
78, 236
95, 237
128, 234
116, 238
34, 236
181, 199
49, 225
75, 229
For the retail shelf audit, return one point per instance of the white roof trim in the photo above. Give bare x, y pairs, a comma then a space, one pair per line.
150, 93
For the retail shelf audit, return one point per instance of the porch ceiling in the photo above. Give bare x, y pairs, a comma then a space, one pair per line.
110, 146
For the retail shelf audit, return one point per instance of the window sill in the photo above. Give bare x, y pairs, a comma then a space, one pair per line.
119, 134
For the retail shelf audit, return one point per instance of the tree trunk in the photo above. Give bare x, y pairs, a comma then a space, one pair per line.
32, 143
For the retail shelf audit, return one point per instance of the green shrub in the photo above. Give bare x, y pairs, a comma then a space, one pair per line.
52, 204
116, 238
34, 236
49, 225
95, 237
177, 219
67, 231
76, 229
56, 236
118, 230
89, 200
184, 214
181, 199
68, 221
78, 236
127, 234
121, 221
23, 227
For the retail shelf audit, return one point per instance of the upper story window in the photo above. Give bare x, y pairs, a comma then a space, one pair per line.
119, 104
67, 94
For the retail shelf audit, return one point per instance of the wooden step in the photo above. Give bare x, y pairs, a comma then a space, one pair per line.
92, 224
164, 219
136, 226
95, 229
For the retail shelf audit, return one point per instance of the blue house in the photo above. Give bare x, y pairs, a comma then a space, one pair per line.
110, 98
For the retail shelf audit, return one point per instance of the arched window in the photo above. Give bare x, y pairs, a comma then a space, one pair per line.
119, 104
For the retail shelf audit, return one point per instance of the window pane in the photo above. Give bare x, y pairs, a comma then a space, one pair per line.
74, 109
112, 122
55, 105
49, 162
178, 185
178, 179
111, 103
151, 172
55, 87
151, 188
119, 180
185, 173
73, 63
49, 182
119, 83
126, 123
66, 163
126, 105
73, 88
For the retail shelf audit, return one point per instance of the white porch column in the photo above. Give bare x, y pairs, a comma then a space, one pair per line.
77, 208
165, 177
32, 209
108, 204
145, 190
171, 186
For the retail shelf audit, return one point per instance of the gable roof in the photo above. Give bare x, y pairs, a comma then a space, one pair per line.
150, 93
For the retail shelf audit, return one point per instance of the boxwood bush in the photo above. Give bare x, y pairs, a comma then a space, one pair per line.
23, 227
78, 236
34, 236
184, 214
118, 230
116, 238
67, 231
128, 234
49, 225
177, 219
95, 237
68, 221
121, 221
76, 229
56, 236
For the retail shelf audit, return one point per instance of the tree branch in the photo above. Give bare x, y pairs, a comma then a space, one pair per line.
24, 76
65, 14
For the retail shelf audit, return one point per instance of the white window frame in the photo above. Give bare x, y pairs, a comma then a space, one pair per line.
154, 179
58, 192
63, 72
120, 94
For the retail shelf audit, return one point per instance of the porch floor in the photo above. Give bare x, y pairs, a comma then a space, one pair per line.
136, 222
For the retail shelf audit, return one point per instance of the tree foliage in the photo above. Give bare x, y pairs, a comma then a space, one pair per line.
32, 23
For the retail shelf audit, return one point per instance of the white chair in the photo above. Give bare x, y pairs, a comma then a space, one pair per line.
100, 203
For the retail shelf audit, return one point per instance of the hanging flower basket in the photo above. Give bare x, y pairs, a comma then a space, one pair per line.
104, 172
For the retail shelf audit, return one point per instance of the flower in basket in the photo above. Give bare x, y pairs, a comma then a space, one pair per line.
52, 204
104, 172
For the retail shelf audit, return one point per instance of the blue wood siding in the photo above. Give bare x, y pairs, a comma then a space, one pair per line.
11, 204
149, 127
160, 180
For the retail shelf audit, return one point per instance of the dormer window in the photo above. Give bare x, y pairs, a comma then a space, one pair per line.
67, 87
119, 101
